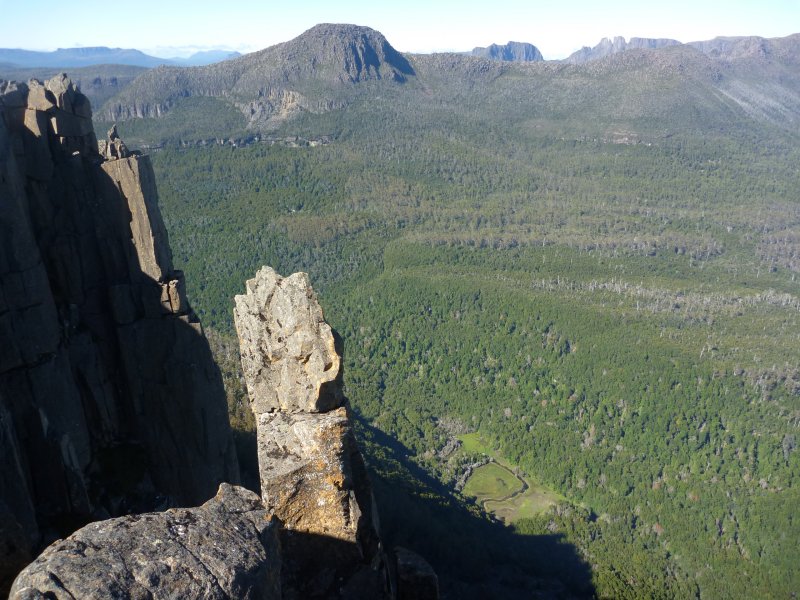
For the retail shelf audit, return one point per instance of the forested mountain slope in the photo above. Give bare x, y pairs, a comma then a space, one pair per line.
633, 95
306, 73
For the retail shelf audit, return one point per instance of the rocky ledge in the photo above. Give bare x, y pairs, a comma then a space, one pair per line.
226, 548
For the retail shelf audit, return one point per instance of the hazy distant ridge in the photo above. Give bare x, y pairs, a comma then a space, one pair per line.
607, 47
99, 55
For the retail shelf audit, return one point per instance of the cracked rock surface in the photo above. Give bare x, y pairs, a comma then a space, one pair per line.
226, 548
289, 355
312, 474
110, 401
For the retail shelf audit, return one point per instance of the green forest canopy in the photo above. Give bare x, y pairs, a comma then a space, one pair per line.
620, 320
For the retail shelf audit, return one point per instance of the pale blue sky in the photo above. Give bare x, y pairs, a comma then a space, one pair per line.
167, 28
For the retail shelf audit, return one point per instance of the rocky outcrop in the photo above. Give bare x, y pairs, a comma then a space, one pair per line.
289, 354
312, 475
226, 548
510, 52
109, 398
97, 83
313, 534
607, 47
110, 403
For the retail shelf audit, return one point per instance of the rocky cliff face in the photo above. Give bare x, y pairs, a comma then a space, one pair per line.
109, 398
110, 403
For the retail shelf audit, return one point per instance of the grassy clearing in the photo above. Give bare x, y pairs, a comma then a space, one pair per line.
492, 482
473, 443
535, 500
500, 491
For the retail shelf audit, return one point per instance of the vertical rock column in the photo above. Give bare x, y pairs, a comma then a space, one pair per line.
312, 475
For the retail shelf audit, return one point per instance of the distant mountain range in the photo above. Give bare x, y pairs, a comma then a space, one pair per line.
102, 55
720, 47
16, 59
607, 47
205, 57
641, 85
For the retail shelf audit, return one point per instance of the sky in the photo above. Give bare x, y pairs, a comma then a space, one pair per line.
169, 28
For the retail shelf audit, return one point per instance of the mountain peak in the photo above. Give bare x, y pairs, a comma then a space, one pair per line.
510, 52
340, 51
312, 73
340, 29
609, 46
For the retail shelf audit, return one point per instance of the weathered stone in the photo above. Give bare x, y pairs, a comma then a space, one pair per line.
313, 477
10, 355
123, 308
181, 422
63, 91
39, 97
66, 124
38, 162
289, 355
82, 107
227, 548
133, 179
306, 468
416, 579
114, 148
18, 248
17, 514
173, 295
13, 95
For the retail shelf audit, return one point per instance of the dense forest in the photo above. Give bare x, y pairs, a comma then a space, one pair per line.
619, 320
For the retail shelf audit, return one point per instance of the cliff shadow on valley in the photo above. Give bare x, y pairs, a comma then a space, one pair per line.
475, 557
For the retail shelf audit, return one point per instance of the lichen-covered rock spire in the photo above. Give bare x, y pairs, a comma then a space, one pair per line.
312, 474
289, 354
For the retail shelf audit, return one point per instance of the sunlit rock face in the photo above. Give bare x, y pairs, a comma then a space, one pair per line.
289, 355
312, 474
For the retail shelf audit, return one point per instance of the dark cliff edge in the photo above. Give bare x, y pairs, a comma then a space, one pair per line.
110, 402
113, 413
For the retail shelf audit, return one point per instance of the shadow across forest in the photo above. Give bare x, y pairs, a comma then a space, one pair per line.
474, 557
